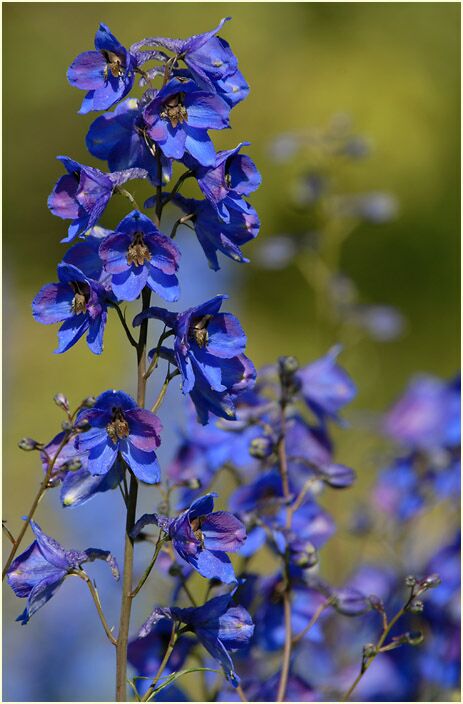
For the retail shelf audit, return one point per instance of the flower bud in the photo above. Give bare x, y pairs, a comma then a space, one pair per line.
414, 638
338, 476
193, 483
350, 602
88, 402
410, 581
376, 603
432, 581
416, 607
261, 448
61, 401
304, 556
83, 424
66, 425
28, 444
288, 365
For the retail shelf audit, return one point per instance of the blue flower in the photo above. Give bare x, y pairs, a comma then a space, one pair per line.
208, 351
233, 176
325, 386
136, 255
233, 89
78, 301
179, 117
119, 427
208, 58
107, 73
202, 538
218, 626
83, 194
84, 256
427, 416
216, 235
121, 139
41, 569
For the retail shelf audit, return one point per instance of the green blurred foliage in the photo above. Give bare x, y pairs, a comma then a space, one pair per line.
394, 67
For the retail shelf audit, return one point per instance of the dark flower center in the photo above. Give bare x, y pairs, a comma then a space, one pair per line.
199, 330
118, 428
138, 252
113, 64
196, 528
81, 296
174, 110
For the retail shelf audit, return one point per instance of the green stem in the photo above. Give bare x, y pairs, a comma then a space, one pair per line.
130, 337
96, 598
162, 666
147, 572
163, 390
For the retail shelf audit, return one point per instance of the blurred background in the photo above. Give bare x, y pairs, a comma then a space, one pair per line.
394, 70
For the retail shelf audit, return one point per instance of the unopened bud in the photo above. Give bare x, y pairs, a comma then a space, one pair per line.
83, 424
414, 638
306, 557
261, 448
338, 476
432, 581
350, 602
416, 607
66, 425
61, 401
376, 603
88, 402
288, 365
410, 581
28, 444
193, 483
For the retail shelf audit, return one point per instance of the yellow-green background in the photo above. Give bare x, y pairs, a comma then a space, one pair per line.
394, 67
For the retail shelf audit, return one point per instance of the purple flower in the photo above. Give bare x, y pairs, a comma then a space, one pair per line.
214, 234
41, 569
179, 117
136, 255
209, 353
234, 175
107, 73
427, 416
84, 256
218, 626
202, 538
78, 487
79, 303
121, 139
119, 427
325, 386
83, 194
209, 58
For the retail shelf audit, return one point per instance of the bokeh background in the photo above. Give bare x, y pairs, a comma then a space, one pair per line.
394, 68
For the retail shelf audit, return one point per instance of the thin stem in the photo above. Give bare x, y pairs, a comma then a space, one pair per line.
241, 694
283, 466
366, 664
126, 603
42, 488
159, 203
147, 572
130, 337
163, 390
8, 532
180, 221
154, 361
312, 622
162, 666
96, 598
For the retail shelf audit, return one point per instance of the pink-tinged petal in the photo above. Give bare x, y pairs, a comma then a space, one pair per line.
87, 71
53, 304
145, 429
62, 200
223, 531
113, 251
